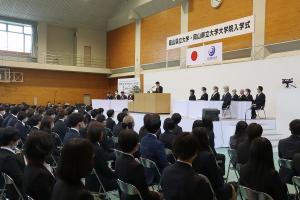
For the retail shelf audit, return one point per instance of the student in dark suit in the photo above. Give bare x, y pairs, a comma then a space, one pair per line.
13, 117
216, 95
248, 95
117, 96
131, 171
259, 101
204, 96
254, 130
234, 96
159, 88
152, 148
242, 96
38, 176
176, 117
110, 123
108, 178
168, 136
2, 112
109, 96
34, 122
143, 131
239, 136
6, 117
10, 163
118, 127
259, 172
75, 120
205, 163
21, 127
226, 98
192, 96
180, 181
76, 163
60, 126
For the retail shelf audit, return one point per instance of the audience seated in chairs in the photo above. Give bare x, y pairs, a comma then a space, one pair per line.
11, 163
108, 178
176, 117
180, 181
76, 122
239, 136
110, 123
118, 127
38, 175
75, 164
131, 171
205, 163
259, 172
254, 130
153, 149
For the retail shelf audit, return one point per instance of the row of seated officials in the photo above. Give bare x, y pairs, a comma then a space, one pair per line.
84, 150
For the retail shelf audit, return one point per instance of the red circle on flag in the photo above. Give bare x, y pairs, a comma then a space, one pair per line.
194, 55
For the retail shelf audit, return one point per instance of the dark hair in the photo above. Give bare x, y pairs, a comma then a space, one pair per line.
110, 113
168, 124
94, 113
14, 110
240, 128
94, 131
34, 120
197, 123
185, 146
295, 127
121, 116
8, 135
176, 118
254, 130
260, 88
157, 82
202, 137
38, 146
100, 118
76, 160
192, 91
2, 108
248, 90
208, 123
46, 124
74, 119
62, 113
21, 115
128, 140
153, 123
100, 111
125, 110
50, 112
203, 88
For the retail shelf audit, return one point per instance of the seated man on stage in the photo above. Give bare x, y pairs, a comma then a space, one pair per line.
259, 102
204, 96
242, 96
159, 88
192, 96
216, 95
234, 95
123, 95
226, 98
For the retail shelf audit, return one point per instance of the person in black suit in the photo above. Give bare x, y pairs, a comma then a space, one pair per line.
296, 164
2, 112
205, 163
131, 171
180, 181
21, 127
10, 163
143, 131
123, 96
34, 122
226, 98
38, 176
60, 126
239, 136
109, 96
118, 127
176, 117
13, 117
259, 101
168, 136
259, 172
216, 95
159, 88
108, 178
242, 96
192, 96
76, 163
76, 122
254, 130
110, 123
234, 96
204, 96
248, 95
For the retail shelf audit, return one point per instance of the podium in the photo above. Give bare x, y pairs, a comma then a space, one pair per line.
151, 103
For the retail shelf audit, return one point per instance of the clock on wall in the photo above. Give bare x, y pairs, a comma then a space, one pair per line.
216, 3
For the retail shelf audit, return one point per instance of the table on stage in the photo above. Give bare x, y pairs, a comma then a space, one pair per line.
117, 105
193, 109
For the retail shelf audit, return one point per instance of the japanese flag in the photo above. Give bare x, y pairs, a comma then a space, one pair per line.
193, 56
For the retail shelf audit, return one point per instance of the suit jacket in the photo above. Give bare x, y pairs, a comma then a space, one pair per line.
235, 97
296, 164
60, 128
6, 119
192, 98
234, 141
123, 96
260, 100
249, 98
226, 98
153, 149
268, 182
132, 172
117, 129
177, 129
71, 134
63, 191
215, 97
159, 89
22, 129
181, 182
1, 120
204, 97
242, 98
167, 138
110, 123
38, 182
243, 151
12, 121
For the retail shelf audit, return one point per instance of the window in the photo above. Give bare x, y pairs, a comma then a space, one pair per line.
15, 37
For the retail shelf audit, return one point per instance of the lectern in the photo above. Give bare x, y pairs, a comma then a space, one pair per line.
151, 103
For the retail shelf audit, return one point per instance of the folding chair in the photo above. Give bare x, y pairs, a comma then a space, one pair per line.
102, 191
225, 111
285, 163
249, 194
29, 198
169, 152
9, 181
129, 189
258, 112
232, 153
57, 138
210, 186
115, 141
296, 183
149, 164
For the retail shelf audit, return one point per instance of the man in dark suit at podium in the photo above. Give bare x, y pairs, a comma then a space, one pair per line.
204, 96
159, 88
226, 98
216, 95
259, 101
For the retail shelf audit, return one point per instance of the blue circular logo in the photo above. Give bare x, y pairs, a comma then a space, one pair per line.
212, 51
